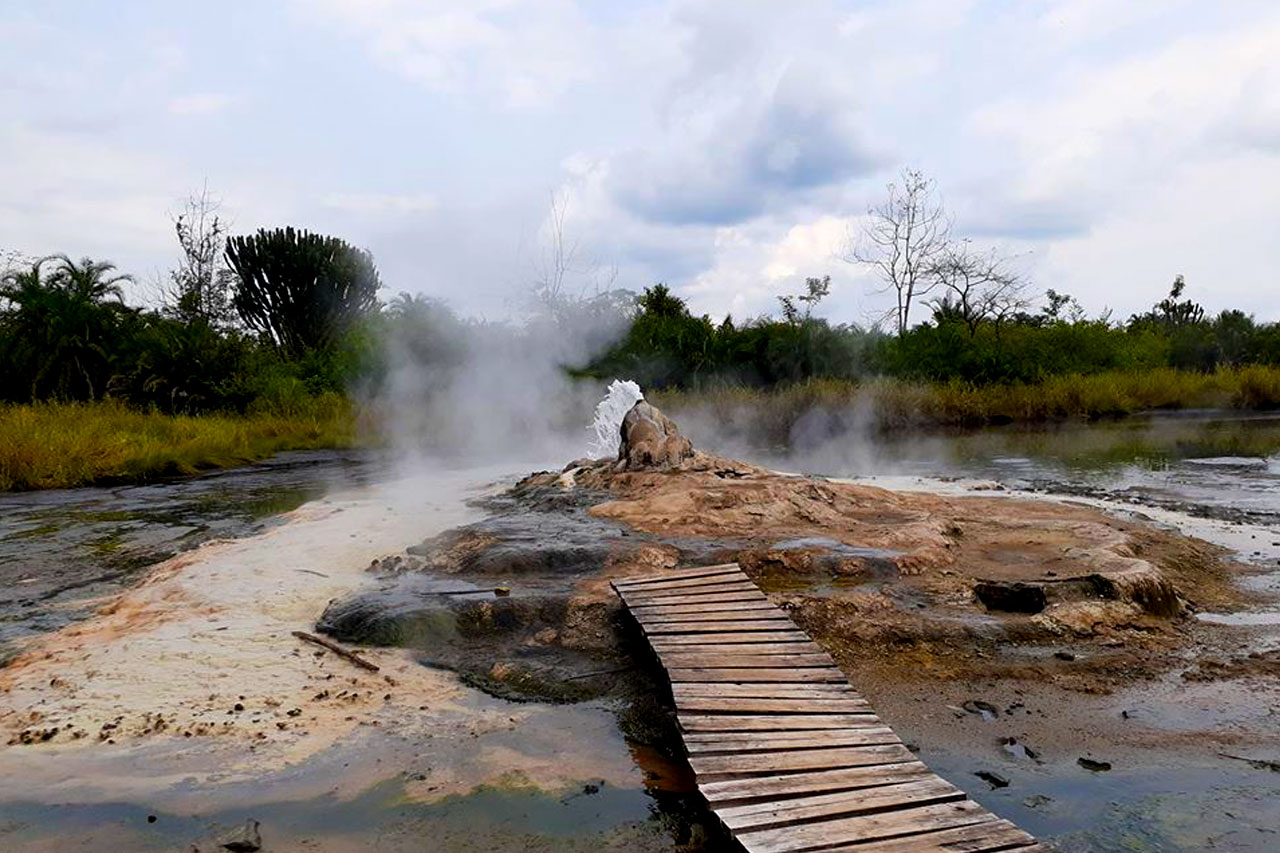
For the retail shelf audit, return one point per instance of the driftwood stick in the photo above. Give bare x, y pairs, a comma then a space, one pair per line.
600, 672
337, 650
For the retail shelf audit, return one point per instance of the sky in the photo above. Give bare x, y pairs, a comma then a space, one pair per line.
729, 148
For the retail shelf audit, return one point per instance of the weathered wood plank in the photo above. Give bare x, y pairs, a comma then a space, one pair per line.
794, 647
773, 614
714, 607
820, 781
813, 739
667, 640
750, 594
723, 627
720, 660
828, 674
772, 723
649, 596
766, 691
828, 833
801, 759
677, 574
798, 707
818, 806
785, 736
687, 584
974, 838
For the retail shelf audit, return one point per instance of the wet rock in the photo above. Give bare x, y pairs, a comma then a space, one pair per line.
1064, 655
1093, 765
1017, 749
1035, 801
995, 780
1011, 597
651, 440
983, 709
247, 839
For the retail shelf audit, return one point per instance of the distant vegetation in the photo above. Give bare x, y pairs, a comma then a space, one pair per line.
666, 347
259, 343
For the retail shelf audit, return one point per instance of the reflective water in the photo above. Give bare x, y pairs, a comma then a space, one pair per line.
61, 549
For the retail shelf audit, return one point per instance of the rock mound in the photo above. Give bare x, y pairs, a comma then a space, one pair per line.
651, 440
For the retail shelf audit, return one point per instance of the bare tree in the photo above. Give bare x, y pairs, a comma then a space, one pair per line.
200, 288
902, 240
559, 256
980, 286
816, 289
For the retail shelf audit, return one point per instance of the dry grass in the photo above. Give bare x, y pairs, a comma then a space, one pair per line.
59, 445
888, 404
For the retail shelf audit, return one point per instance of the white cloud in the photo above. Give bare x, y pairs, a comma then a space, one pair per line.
200, 104
526, 51
381, 204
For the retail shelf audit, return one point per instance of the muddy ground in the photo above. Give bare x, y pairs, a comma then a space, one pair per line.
1032, 637
998, 635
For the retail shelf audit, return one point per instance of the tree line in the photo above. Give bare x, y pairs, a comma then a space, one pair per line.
265, 318
274, 318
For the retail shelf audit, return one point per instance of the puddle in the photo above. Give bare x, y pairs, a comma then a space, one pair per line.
508, 816
554, 778
1137, 806
1266, 617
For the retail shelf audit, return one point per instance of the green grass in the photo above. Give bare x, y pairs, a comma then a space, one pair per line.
59, 445
891, 404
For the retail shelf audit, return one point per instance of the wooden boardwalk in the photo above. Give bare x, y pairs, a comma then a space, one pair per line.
787, 754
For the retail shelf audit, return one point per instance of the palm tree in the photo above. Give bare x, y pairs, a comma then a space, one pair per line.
62, 327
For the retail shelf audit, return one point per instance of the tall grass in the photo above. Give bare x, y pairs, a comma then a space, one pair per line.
773, 416
58, 445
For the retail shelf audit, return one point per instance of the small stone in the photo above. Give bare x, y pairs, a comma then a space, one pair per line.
245, 840
1064, 655
995, 780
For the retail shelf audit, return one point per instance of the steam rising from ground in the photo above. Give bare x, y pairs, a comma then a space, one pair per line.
460, 392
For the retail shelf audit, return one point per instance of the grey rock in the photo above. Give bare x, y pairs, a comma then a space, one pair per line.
247, 839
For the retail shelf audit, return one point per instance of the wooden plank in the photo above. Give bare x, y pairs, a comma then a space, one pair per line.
772, 763
772, 723
724, 627
665, 641
730, 743
766, 691
975, 838
795, 647
828, 674
751, 594
828, 833
643, 596
788, 755
792, 784
677, 574
820, 806
721, 660
714, 607
687, 584
798, 707
731, 740
771, 615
